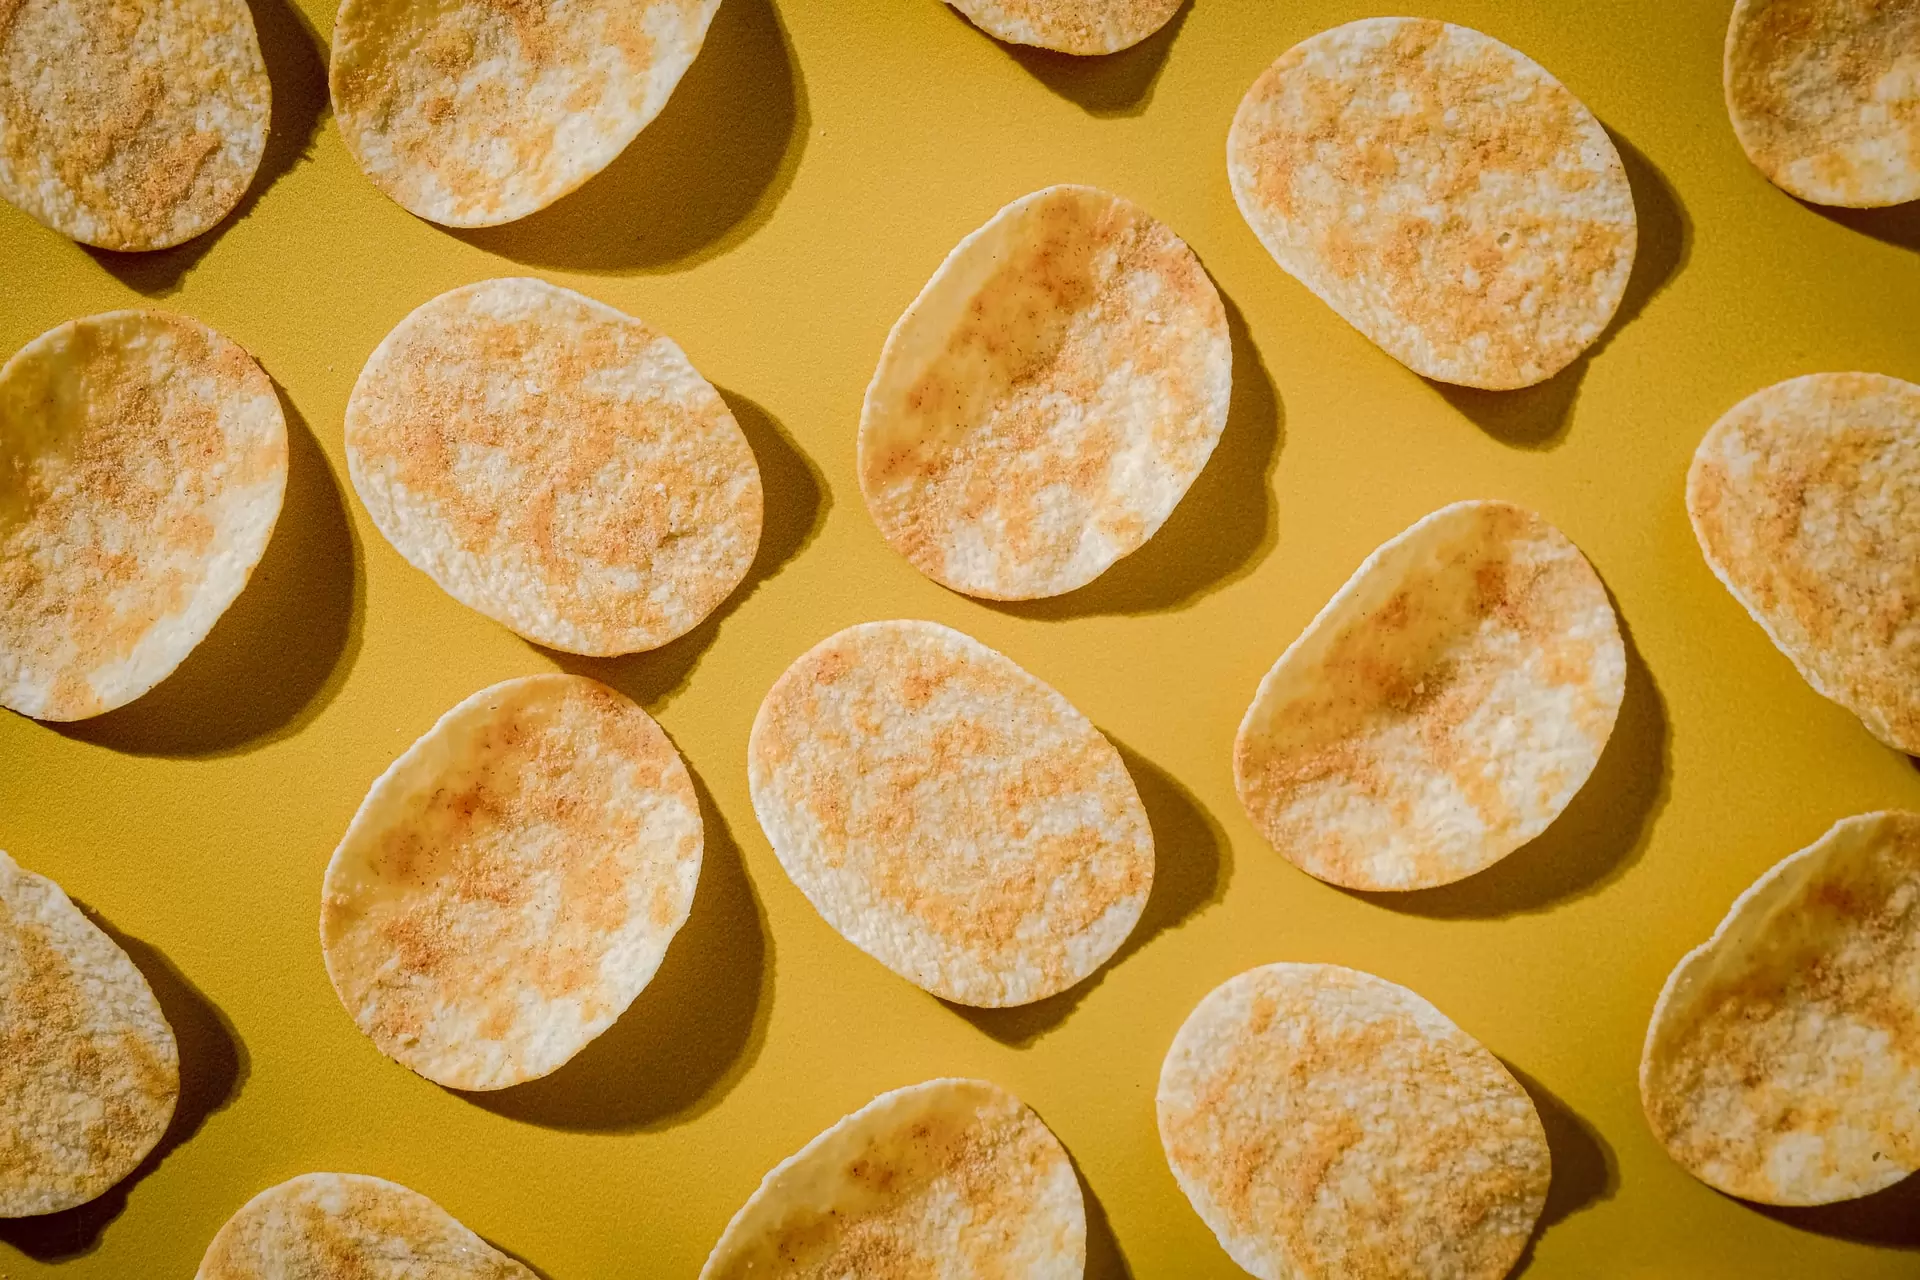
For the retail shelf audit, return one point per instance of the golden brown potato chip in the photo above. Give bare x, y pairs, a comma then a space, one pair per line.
947, 1180
1070, 26
1806, 500
1047, 399
1782, 1063
89, 1072
1441, 710
1327, 1124
142, 461
951, 815
511, 883
1442, 192
556, 465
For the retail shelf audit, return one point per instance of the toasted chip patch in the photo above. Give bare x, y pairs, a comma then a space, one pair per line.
1442, 192
1047, 399
89, 1072
336, 1226
511, 883
475, 112
1441, 710
1806, 500
951, 815
1070, 26
556, 465
1824, 96
142, 461
1782, 1063
130, 124
1327, 1123
947, 1180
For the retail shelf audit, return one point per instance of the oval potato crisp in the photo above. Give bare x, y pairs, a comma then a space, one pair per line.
89, 1072
1441, 710
1070, 26
955, 1179
1444, 194
1806, 500
1326, 1124
556, 465
1047, 399
143, 458
951, 815
511, 883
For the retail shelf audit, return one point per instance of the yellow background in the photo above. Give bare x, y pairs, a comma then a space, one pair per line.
816, 164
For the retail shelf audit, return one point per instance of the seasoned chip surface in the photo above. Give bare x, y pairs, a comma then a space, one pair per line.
1327, 1124
142, 461
89, 1072
511, 883
951, 815
1441, 710
1806, 500
947, 1180
1070, 26
556, 465
475, 112
1047, 399
1782, 1063
130, 124
1449, 198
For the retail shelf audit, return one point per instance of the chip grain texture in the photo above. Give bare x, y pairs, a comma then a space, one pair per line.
1070, 26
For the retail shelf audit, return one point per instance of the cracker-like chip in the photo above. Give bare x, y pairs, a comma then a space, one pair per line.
1824, 96
1449, 198
951, 1179
1806, 500
142, 461
347, 1226
1441, 710
471, 113
1326, 1123
1782, 1062
89, 1072
1047, 399
556, 465
1070, 26
512, 881
951, 815
130, 124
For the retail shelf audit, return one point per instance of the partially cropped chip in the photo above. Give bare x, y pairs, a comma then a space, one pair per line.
1327, 1124
142, 461
89, 1072
1070, 26
1806, 500
1047, 399
511, 883
556, 465
954, 1179
1446, 195
951, 815
1782, 1063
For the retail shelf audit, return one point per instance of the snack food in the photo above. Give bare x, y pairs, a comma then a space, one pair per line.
1070, 26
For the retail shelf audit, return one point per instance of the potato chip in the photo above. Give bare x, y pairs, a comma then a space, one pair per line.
1443, 193
1047, 399
1326, 1123
947, 1180
1824, 96
1806, 500
951, 815
89, 1072
142, 461
347, 1226
556, 465
1070, 26
511, 883
471, 113
130, 124
1441, 710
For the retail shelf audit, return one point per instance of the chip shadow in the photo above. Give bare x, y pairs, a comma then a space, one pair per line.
1887, 1219
1109, 84
1897, 225
1585, 1171
1105, 1261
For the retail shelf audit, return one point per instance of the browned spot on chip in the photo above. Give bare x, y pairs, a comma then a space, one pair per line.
1070, 26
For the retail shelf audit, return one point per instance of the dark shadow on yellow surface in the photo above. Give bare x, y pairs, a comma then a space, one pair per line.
1112, 84
213, 1067
1898, 225
706, 174
538, 1274
281, 651
1887, 1219
1585, 1171
1105, 1261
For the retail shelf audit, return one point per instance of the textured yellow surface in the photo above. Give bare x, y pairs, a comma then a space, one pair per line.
814, 167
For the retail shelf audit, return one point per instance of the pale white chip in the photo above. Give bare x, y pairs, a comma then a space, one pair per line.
1070, 26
